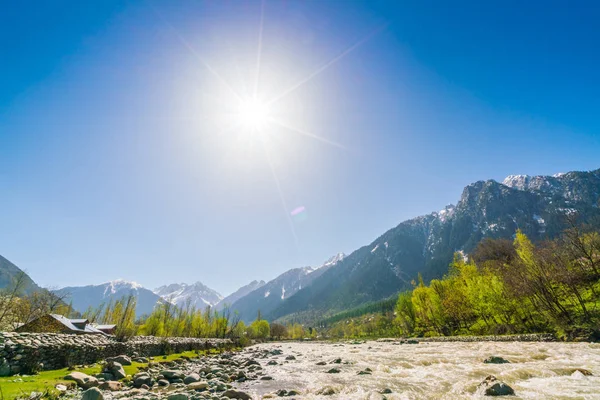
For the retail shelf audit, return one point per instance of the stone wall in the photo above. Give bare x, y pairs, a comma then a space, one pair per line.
29, 352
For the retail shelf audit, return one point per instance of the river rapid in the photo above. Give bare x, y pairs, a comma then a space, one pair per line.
448, 370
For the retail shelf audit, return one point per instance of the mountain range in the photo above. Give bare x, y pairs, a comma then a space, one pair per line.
238, 294
275, 292
84, 297
197, 295
538, 205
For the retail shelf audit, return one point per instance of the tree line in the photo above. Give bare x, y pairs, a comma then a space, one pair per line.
511, 287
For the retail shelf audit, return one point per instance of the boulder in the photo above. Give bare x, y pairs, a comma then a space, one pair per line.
191, 378
84, 381
172, 374
334, 371
196, 386
496, 360
491, 386
122, 359
115, 369
178, 396
289, 358
236, 394
92, 394
142, 379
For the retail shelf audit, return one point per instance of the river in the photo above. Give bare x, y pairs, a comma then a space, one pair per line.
450, 370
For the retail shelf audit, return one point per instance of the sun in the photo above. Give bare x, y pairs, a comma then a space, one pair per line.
253, 114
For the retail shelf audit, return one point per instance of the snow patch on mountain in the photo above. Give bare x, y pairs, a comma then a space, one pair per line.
333, 260
181, 294
117, 285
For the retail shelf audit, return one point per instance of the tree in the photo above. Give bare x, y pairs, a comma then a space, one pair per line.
278, 330
260, 329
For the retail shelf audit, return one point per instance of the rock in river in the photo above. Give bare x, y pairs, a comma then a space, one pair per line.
491, 386
496, 360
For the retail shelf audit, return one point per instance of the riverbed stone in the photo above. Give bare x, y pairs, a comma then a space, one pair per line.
172, 374
491, 386
236, 394
92, 394
197, 386
191, 378
178, 396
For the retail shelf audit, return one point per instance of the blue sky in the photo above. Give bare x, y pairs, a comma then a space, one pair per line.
116, 160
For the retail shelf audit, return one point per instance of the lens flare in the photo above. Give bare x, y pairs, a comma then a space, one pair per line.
253, 114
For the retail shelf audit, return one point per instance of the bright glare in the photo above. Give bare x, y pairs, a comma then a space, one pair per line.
253, 114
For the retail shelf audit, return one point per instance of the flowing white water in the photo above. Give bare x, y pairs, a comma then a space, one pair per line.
450, 370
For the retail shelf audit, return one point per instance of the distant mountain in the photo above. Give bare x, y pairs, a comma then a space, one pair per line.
197, 294
9, 274
238, 294
83, 297
538, 205
272, 294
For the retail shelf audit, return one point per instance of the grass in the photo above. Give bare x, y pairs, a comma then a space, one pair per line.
13, 387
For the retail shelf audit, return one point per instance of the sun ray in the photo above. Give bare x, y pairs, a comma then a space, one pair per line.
306, 133
279, 191
259, 50
195, 54
327, 65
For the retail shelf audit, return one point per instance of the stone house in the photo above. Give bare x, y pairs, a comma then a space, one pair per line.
55, 323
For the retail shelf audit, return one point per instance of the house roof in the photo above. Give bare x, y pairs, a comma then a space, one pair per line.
71, 324
107, 327
79, 321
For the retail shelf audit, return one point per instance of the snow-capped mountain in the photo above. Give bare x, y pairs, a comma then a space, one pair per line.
238, 294
84, 297
270, 295
538, 205
196, 295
